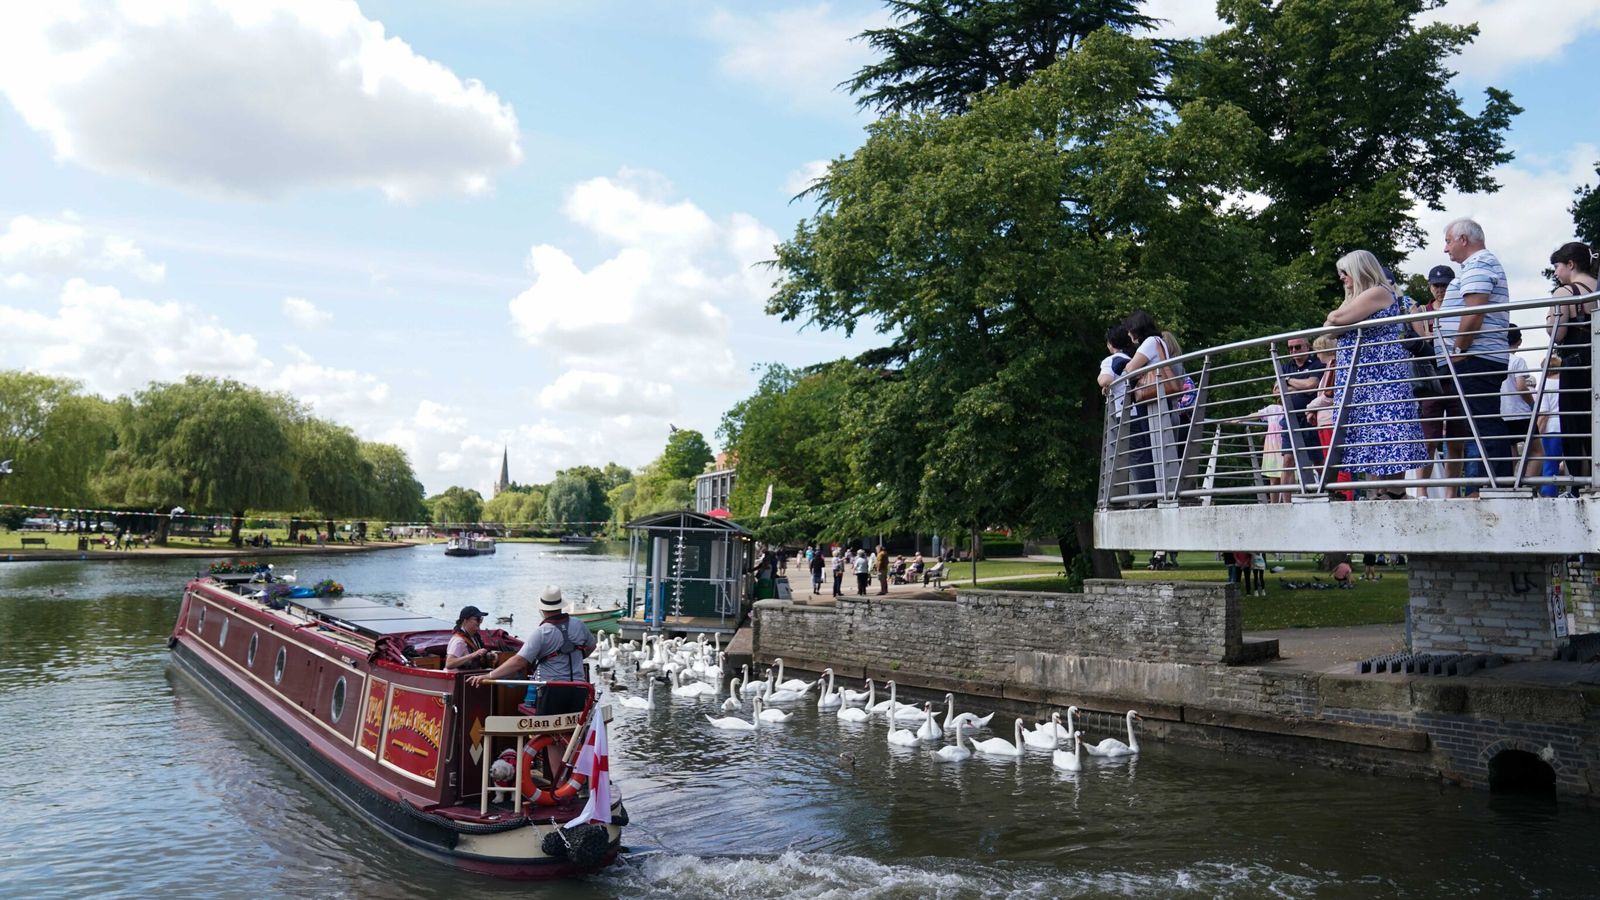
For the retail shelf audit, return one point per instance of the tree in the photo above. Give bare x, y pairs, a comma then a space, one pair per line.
616, 475
1586, 212
1355, 120
337, 477
941, 53
577, 499
396, 494
994, 248
55, 436
517, 505
686, 454
457, 506
206, 444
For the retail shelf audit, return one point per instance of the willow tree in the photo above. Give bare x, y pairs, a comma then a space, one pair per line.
56, 437
993, 248
336, 477
396, 494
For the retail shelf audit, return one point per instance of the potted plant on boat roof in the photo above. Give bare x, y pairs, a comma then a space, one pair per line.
327, 587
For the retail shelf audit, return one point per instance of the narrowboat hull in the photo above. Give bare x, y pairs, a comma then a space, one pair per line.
397, 803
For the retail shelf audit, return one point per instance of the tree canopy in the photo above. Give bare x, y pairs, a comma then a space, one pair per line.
686, 454
457, 506
1586, 212
56, 437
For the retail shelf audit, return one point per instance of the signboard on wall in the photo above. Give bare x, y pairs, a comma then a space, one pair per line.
414, 732
1558, 598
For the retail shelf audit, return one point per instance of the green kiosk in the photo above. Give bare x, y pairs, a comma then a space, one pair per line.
688, 573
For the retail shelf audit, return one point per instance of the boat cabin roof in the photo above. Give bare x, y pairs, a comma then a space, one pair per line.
362, 615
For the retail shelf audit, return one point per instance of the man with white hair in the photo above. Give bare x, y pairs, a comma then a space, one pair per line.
554, 652
1476, 342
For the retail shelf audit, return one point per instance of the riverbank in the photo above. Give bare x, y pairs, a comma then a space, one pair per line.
224, 551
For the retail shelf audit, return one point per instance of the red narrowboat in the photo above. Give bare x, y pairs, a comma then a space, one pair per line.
352, 692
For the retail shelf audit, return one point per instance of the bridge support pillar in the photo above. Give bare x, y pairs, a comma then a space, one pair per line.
1483, 604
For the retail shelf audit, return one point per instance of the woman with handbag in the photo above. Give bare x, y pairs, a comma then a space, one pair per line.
1157, 394
1570, 329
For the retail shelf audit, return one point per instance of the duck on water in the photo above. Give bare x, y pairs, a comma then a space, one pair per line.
353, 693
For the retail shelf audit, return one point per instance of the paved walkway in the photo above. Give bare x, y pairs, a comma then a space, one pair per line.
1332, 649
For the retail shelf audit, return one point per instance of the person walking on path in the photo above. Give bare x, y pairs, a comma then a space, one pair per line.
816, 573
863, 572
1475, 342
883, 570
838, 572
1381, 437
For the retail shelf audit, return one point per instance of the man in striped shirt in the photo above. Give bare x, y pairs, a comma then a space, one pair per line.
1476, 341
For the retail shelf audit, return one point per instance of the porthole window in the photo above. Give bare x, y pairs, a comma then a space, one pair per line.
338, 699
222, 635
278, 664
250, 654
201, 628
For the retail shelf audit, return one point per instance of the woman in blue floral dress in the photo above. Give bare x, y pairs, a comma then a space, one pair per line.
1381, 434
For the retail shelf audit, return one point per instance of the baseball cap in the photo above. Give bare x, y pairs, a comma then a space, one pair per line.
469, 612
1441, 275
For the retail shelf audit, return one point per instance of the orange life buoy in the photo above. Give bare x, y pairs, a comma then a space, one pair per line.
547, 796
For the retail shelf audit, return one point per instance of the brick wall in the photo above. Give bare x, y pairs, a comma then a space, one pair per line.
1481, 604
1583, 586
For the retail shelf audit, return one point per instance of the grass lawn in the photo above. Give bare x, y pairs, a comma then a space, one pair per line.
1369, 603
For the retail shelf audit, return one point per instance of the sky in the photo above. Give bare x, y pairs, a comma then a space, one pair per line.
536, 226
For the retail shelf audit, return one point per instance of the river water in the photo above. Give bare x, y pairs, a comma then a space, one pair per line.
120, 779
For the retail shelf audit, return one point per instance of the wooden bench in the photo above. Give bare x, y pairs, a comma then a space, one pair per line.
35, 542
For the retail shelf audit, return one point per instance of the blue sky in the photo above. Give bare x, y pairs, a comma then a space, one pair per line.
494, 223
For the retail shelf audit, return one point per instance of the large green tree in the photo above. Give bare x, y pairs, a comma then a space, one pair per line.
1355, 121
686, 454
337, 478
396, 494
993, 248
207, 444
939, 54
457, 506
55, 436
1586, 212
516, 506
577, 500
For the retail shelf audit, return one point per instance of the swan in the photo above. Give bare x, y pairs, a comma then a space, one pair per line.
732, 723
732, 703
777, 716
1070, 762
1001, 746
930, 730
968, 721
781, 695
793, 684
894, 704
751, 688
855, 698
856, 713
648, 701
1114, 747
953, 752
902, 737
691, 690
829, 698
1054, 726
1044, 738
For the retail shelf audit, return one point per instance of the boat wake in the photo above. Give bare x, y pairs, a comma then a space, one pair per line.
796, 874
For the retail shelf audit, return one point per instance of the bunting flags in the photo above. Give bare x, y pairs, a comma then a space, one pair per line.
594, 762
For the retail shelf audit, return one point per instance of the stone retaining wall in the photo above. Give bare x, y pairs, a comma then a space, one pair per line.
1482, 604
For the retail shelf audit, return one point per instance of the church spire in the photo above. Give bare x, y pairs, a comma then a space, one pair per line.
504, 481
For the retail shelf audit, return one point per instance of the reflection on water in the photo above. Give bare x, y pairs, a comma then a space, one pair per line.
122, 779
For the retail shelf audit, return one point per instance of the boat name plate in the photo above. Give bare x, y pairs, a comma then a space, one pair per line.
562, 722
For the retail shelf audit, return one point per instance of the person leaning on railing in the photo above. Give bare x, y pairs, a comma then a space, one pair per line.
1570, 326
1476, 342
1444, 419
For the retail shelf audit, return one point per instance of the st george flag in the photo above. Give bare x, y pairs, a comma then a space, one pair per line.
594, 762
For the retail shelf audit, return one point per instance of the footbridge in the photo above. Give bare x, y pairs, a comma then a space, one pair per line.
1259, 446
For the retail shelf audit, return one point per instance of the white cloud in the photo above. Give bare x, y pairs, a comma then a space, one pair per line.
304, 313
602, 392
801, 179
343, 395
1184, 18
659, 308
115, 343
1513, 33
252, 97
1524, 221
802, 53
32, 247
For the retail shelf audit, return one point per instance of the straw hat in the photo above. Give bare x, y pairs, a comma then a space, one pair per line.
550, 601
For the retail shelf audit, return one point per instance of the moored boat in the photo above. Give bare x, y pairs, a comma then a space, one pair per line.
350, 691
469, 545
600, 618
577, 539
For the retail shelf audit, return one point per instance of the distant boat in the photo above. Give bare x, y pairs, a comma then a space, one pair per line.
469, 545
577, 539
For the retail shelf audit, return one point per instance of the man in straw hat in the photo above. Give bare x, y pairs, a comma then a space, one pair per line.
554, 652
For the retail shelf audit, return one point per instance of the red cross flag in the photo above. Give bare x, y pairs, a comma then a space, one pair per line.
594, 762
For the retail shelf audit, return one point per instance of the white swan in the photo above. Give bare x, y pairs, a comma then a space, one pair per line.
856, 713
856, 698
953, 752
902, 737
777, 716
1054, 726
751, 688
1114, 747
648, 701
893, 704
780, 695
732, 723
965, 720
929, 730
793, 684
829, 698
1044, 738
691, 690
1001, 746
732, 703
1070, 762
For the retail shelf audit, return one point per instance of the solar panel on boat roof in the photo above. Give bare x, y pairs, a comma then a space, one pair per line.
370, 616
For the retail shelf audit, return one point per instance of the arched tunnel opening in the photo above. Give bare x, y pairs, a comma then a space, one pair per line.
1521, 772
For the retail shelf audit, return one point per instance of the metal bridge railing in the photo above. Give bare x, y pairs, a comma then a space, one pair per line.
1389, 422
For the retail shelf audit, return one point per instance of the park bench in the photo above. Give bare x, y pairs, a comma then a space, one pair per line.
35, 542
934, 576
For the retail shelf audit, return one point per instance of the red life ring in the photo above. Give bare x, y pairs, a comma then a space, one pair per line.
547, 796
